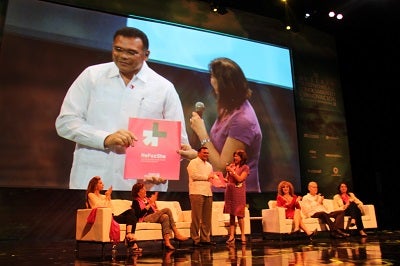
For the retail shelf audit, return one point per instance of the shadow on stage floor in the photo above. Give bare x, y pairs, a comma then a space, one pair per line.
379, 248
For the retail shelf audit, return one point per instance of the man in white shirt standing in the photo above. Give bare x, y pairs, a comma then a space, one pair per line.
200, 172
312, 206
97, 107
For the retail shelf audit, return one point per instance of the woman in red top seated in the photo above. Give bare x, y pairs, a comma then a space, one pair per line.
288, 200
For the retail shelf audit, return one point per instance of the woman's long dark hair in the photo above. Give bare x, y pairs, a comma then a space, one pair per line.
91, 188
233, 88
135, 189
343, 183
243, 156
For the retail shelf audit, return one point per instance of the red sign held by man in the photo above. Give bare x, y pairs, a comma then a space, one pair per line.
154, 154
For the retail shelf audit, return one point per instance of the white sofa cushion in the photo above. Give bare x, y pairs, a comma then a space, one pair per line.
174, 206
120, 205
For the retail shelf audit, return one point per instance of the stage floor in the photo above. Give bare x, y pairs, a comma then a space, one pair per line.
379, 248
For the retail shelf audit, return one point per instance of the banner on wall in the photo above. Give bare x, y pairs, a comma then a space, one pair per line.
154, 155
323, 142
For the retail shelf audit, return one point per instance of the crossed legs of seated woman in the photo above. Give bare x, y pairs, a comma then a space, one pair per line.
287, 199
355, 217
146, 210
164, 217
299, 224
129, 218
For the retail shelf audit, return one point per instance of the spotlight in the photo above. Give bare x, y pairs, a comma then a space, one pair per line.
218, 6
331, 14
339, 16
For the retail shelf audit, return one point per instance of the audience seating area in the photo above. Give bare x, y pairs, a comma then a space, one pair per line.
274, 219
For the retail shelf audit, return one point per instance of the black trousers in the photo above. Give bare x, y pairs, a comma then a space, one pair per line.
128, 217
326, 218
355, 213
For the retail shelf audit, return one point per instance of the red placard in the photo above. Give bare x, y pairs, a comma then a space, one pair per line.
218, 181
154, 155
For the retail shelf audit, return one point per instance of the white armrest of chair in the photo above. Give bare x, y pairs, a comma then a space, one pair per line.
247, 225
186, 216
274, 220
368, 209
220, 220
369, 217
99, 230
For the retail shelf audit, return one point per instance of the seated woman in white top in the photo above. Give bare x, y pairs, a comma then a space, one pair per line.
94, 199
351, 205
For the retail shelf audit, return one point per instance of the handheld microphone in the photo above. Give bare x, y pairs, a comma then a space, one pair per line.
199, 108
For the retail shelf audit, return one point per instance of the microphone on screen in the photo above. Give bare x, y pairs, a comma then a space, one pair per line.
199, 108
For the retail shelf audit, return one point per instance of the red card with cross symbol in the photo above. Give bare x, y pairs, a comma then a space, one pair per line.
154, 155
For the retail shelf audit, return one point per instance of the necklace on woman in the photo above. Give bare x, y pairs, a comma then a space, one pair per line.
287, 197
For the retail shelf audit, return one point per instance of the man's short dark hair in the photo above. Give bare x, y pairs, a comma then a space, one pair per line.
202, 148
135, 33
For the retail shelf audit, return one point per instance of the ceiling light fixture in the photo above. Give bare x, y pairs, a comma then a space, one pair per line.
218, 6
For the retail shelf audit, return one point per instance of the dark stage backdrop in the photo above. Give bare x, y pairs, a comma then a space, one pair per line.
304, 134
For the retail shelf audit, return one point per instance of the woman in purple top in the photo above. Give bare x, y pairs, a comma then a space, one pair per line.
236, 126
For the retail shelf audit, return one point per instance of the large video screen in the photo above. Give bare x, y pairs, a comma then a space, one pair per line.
45, 46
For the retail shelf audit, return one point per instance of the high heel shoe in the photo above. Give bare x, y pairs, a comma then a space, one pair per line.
362, 233
230, 241
169, 247
295, 232
313, 234
352, 222
129, 241
135, 249
181, 238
